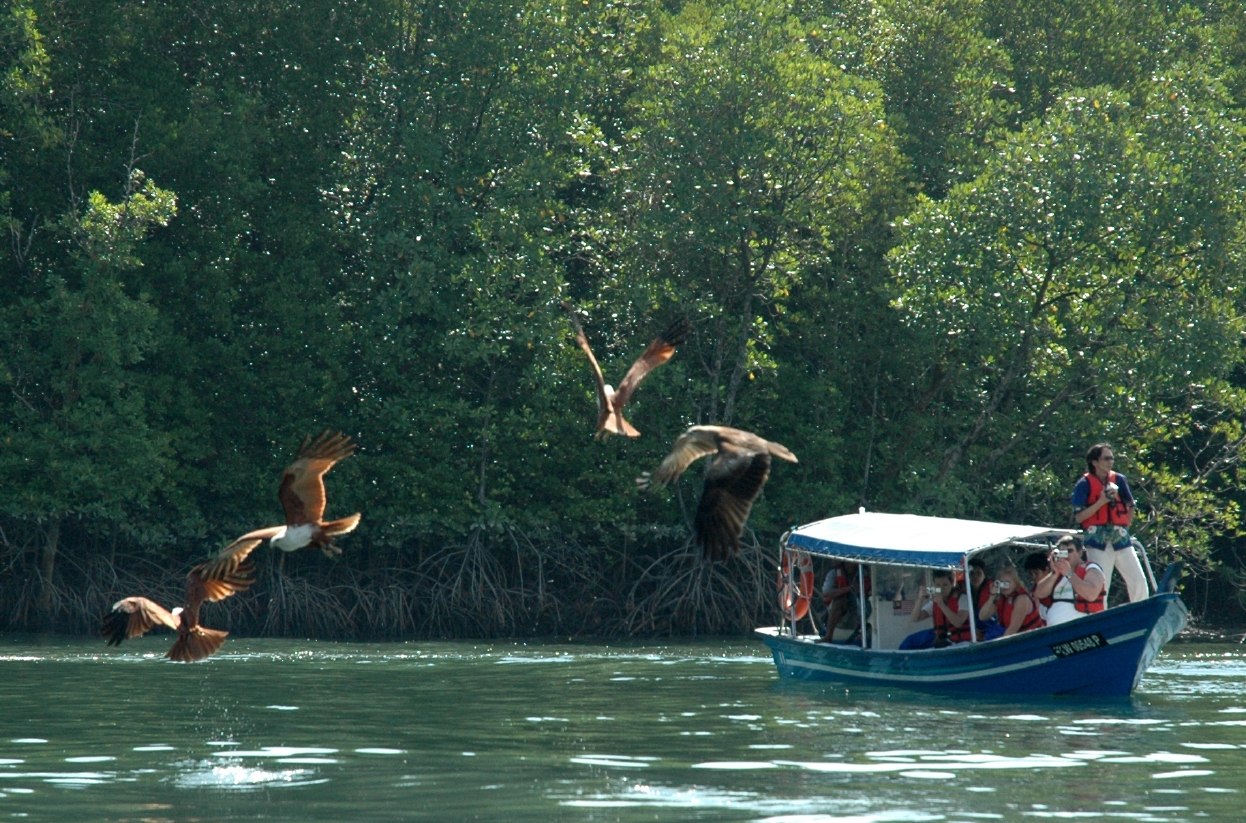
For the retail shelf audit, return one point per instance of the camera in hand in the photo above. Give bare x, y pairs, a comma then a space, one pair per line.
1059, 554
1111, 489
935, 591
1000, 586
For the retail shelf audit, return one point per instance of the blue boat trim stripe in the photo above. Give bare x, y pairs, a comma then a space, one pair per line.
944, 677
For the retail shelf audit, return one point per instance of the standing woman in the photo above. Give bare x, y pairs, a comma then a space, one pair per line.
1104, 506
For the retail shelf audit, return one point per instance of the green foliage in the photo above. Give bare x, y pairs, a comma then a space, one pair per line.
75, 334
947, 84
1085, 284
1068, 44
936, 247
752, 157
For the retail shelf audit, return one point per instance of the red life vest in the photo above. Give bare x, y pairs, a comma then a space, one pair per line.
1080, 603
1033, 620
1113, 514
846, 579
944, 627
984, 594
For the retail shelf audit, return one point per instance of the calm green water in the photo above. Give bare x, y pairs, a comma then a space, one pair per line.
448, 731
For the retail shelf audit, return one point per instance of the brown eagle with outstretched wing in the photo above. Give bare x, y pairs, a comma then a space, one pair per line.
302, 497
610, 401
733, 480
230, 571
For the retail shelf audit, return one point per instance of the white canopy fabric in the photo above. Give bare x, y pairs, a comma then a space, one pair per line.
911, 539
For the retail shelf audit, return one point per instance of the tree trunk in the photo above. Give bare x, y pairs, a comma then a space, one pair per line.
47, 568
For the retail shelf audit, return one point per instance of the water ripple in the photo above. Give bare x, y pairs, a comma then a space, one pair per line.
614, 761
682, 732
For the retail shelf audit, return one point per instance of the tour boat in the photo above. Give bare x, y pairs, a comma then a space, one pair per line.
1098, 654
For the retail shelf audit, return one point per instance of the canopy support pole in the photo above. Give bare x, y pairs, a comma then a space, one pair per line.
861, 603
1146, 562
971, 601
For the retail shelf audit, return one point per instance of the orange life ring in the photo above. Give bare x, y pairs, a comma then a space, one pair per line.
795, 584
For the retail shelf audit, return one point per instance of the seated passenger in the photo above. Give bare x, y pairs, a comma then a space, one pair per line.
1074, 587
988, 625
1037, 566
841, 595
945, 603
1012, 603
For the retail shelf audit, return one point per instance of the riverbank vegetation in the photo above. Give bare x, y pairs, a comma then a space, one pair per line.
937, 248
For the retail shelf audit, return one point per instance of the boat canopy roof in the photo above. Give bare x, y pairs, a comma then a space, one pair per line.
912, 539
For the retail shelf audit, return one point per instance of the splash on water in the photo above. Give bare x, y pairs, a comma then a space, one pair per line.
235, 776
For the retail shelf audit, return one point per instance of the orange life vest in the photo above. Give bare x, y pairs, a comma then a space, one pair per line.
1118, 513
1033, 620
984, 594
849, 579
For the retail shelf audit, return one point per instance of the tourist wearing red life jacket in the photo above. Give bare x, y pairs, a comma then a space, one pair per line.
1037, 565
946, 604
1074, 587
1012, 602
841, 596
981, 585
1103, 505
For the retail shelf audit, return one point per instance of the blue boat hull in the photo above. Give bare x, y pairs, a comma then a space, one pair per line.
1102, 654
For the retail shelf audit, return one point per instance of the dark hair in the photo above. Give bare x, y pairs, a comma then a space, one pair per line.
976, 563
1093, 455
1071, 538
1035, 560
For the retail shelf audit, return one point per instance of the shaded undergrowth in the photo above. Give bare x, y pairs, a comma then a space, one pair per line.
682, 594
492, 584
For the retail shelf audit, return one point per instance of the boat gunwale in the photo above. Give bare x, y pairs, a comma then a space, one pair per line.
1031, 637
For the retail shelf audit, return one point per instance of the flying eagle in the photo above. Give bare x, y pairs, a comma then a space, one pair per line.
733, 481
610, 402
228, 573
302, 497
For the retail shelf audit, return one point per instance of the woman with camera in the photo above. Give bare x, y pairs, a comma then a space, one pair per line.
1012, 602
1074, 587
1103, 505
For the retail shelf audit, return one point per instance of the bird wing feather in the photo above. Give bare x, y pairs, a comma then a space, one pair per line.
732, 483
230, 571
733, 480
781, 451
692, 445
134, 617
302, 492
660, 349
581, 339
